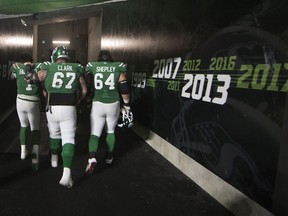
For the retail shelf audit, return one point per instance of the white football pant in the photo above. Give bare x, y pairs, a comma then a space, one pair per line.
62, 123
102, 113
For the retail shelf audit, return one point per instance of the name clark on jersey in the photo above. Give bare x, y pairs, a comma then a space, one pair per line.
105, 69
65, 68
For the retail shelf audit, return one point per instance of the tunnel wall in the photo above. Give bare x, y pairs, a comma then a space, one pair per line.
15, 38
210, 79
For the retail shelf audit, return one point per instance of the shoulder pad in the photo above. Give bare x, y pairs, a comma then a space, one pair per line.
47, 63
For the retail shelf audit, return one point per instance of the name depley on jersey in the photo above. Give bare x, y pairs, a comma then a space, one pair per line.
65, 68
105, 69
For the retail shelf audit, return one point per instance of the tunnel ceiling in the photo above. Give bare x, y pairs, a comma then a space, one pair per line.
17, 8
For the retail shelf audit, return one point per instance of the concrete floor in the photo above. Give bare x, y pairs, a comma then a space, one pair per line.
140, 182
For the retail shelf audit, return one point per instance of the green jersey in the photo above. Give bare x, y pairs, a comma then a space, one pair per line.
37, 66
106, 75
62, 77
18, 71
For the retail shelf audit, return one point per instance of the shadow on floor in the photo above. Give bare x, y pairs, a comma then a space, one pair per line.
140, 182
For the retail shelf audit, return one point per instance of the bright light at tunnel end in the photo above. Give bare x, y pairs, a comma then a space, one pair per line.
16, 41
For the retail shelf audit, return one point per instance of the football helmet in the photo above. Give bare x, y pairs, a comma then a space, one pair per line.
126, 118
26, 57
29, 72
59, 52
105, 55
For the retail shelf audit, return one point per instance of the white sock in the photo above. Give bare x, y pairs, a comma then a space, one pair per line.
23, 148
91, 160
24, 152
66, 179
66, 172
54, 160
36, 152
35, 149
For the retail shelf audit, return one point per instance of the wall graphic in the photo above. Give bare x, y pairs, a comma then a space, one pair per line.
208, 76
211, 83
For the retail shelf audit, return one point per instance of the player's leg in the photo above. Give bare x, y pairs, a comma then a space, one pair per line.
21, 107
68, 130
97, 122
67, 156
113, 111
54, 136
34, 120
54, 146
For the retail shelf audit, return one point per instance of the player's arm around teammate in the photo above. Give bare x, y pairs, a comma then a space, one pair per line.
28, 107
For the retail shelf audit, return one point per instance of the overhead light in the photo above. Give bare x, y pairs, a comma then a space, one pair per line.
61, 42
8, 40
102, 3
23, 22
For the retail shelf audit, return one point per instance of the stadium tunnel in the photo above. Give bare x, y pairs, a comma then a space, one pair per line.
208, 93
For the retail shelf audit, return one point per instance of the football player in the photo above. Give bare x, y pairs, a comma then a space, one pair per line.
28, 107
62, 81
109, 79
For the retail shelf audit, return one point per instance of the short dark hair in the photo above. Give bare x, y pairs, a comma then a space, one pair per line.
105, 55
26, 57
